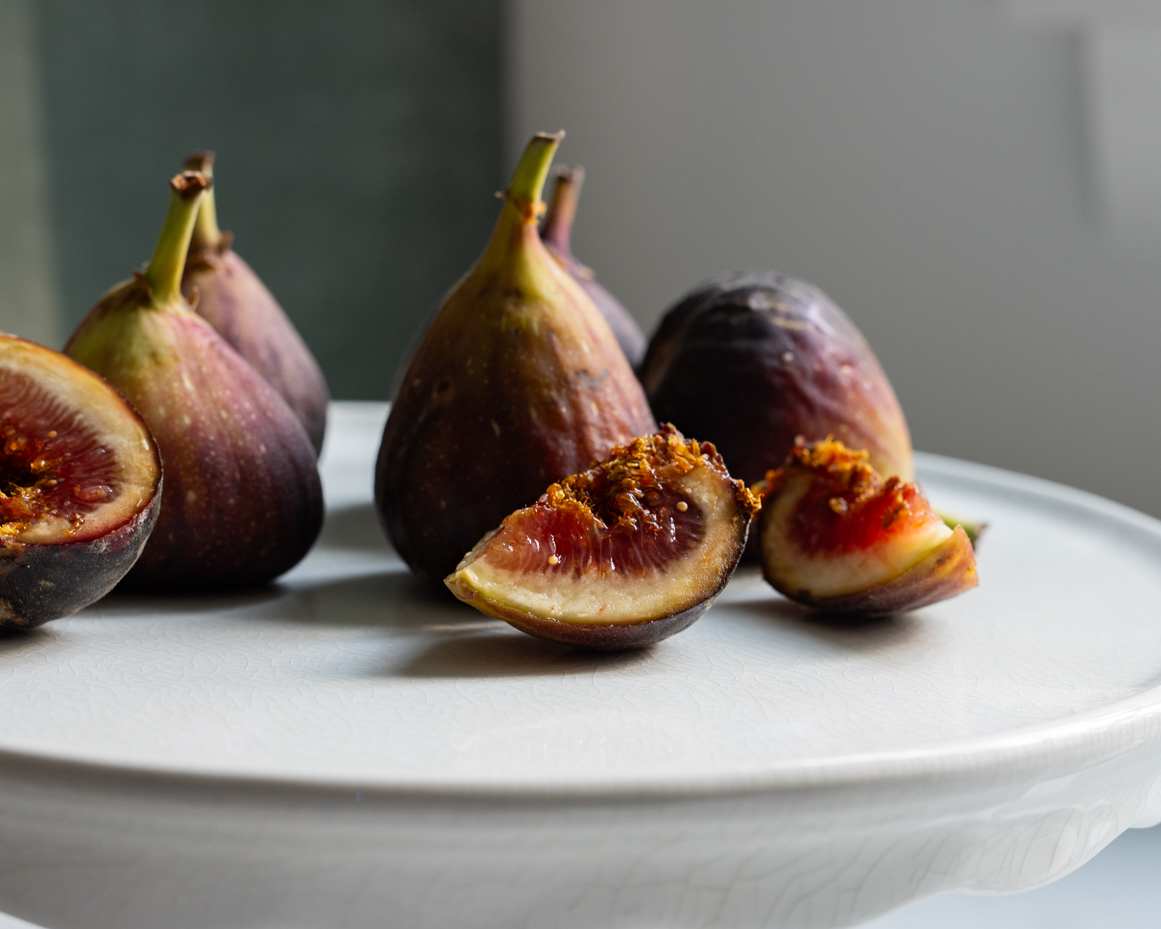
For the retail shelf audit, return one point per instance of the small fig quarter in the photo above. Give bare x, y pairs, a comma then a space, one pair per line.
835, 536
517, 383
622, 555
233, 299
242, 500
752, 359
556, 231
80, 485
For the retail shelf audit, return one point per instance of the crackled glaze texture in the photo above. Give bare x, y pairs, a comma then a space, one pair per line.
348, 744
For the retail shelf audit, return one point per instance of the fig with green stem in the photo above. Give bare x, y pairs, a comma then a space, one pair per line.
242, 500
518, 382
557, 235
233, 299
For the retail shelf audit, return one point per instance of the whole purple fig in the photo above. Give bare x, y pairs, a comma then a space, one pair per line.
242, 501
557, 235
750, 360
233, 299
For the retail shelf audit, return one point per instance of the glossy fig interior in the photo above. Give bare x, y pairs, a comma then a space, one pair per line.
834, 534
76, 460
80, 485
647, 535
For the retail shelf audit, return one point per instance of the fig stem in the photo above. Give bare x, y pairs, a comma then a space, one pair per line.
528, 179
168, 262
557, 230
206, 235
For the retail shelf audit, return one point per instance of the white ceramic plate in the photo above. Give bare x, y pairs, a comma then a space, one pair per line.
347, 745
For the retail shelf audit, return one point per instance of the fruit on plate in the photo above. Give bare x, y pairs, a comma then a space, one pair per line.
753, 359
556, 231
80, 485
836, 536
238, 305
622, 555
242, 501
517, 383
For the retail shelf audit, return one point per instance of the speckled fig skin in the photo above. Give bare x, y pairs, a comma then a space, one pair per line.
48, 578
517, 383
43, 582
606, 638
233, 299
752, 359
556, 232
242, 501
945, 572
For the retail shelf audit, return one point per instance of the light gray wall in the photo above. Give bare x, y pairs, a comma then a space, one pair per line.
923, 161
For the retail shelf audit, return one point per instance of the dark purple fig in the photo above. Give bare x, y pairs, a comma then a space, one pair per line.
836, 536
622, 555
753, 359
517, 383
242, 500
233, 299
80, 485
557, 235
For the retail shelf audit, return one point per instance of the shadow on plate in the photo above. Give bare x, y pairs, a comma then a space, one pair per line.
841, 630
501, 651
453, 640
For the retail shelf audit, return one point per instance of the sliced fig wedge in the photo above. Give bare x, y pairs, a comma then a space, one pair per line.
835, 536
620, 556
80, 485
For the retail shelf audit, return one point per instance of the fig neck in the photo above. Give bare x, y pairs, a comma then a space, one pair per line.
557, 230
516, 227
163, 274
206, 234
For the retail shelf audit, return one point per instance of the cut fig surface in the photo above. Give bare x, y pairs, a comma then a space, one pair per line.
80, 482
834, 535
622, 555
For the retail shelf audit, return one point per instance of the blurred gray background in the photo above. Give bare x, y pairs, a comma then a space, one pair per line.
974, 181
359, 145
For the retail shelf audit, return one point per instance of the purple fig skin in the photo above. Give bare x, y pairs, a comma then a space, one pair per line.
517, 383
607, 638
224, 290
243, 501
43, 582
233, 299
752, 359
556, 232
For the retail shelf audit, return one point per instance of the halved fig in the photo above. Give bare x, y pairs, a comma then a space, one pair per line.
80, 485
835, 536
620, 556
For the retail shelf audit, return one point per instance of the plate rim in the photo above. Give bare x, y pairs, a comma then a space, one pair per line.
1126, 725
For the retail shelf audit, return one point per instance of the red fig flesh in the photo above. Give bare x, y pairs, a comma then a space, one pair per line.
233, 299
242, 500
80, 485
622, 555
835, 536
